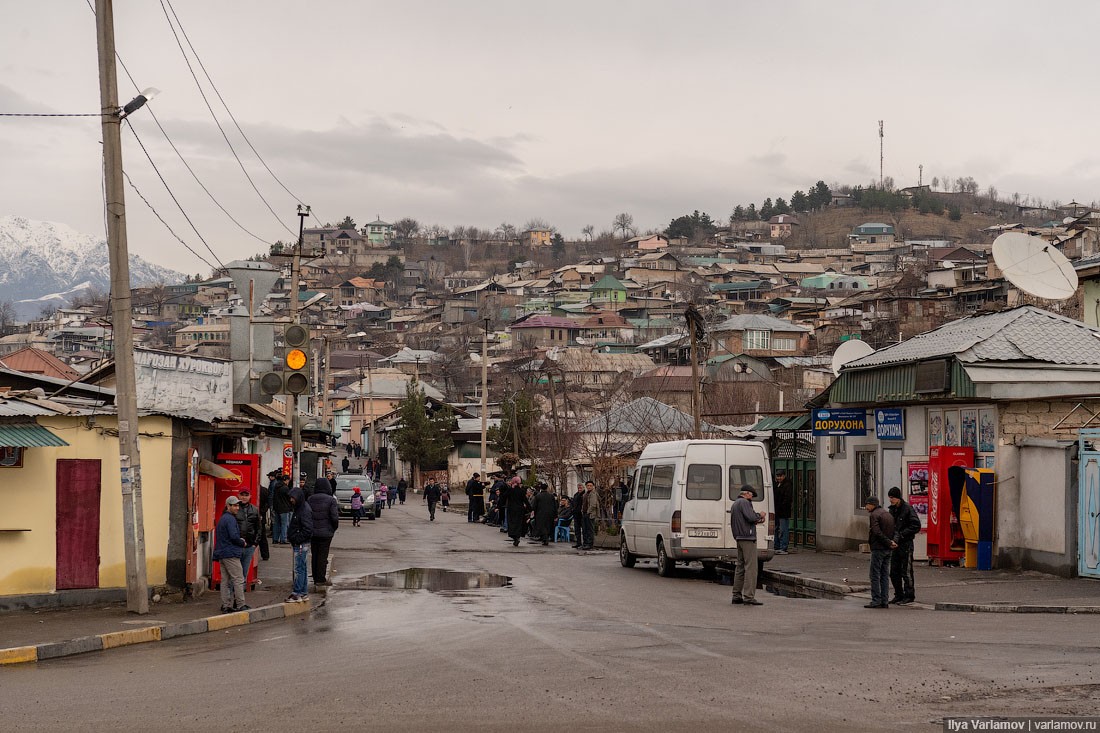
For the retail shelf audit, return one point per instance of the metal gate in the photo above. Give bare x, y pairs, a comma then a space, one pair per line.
1088, 512
798, 456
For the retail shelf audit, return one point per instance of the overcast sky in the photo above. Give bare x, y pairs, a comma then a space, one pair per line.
482, 112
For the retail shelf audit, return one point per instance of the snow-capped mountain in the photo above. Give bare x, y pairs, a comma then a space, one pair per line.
42, 263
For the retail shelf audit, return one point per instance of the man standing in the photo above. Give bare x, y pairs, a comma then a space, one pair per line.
299, 534
248, 521
228, 544
546, 512
431, 495
326, 520
577, 505
743, 521
402, 487
591, 514
784, 499
516, 506
265, 519
345, 464
906, 527
281, 506
880, 535
475, 493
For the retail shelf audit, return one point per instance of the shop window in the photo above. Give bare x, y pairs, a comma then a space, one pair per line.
866, 473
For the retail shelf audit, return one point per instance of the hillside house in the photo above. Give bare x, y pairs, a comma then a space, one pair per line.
378, 233
759, 335
536, 237
647, 242
540, 331
782, 226
872, 232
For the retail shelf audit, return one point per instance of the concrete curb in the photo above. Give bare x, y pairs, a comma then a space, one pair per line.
159, 632
812, 583
1015, 608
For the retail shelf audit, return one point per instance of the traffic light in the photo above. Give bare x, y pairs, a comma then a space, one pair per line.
294, 377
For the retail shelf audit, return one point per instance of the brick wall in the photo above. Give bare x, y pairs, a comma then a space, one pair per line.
1037, 420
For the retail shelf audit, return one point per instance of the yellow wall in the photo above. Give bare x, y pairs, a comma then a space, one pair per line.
28, 496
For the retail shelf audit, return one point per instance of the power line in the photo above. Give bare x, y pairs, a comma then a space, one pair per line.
230, 112
50, 114
206, 101
162, 221
170, 193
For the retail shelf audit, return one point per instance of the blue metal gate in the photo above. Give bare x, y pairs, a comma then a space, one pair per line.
1088, 512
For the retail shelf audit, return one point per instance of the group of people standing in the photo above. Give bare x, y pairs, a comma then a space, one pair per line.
890, 534
532, 511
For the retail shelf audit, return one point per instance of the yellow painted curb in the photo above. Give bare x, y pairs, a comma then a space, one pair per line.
19, 654
226, 620
130, 636
293, 609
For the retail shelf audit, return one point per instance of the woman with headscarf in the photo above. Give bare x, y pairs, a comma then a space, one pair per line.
516, 505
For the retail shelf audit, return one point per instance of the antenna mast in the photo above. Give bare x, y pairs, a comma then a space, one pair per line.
880, 136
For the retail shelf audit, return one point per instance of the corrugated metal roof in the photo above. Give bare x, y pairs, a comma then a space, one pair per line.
783, 422
1022, 334
757, 322
20, 408
28, 435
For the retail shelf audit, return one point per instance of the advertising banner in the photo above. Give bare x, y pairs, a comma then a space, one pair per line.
839, 422
890, 423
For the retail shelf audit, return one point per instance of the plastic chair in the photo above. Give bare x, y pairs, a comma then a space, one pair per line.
562, 532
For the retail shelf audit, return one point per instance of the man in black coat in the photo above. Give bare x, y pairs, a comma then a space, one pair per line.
906, 527
784, 502
326, 520
517, 507
432, 492
546, 511
248, 521
298, 534
475, 492
880, 535
265, 519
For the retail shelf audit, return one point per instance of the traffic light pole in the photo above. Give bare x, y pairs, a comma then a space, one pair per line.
291, 418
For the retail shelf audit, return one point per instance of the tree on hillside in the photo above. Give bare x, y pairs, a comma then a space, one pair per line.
781, 206
422, 439
799, 202
518, 429
624, 224
557, 247
738, 213
767, 209
347, 223
405, 229
696, 226
819, 196
7, 316
751, 213
537, 223
588, 232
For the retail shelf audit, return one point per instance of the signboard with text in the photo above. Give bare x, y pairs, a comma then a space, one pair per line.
890, 424
839, 422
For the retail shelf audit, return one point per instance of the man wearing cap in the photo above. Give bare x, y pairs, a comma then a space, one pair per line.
784, 499
281, 507
906, 527
228, 544
743, 521
880, 536
248, 521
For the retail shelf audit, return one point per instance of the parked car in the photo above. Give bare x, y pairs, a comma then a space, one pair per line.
345, 487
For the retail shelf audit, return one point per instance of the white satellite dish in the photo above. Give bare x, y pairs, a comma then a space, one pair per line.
850, 351
1035, 266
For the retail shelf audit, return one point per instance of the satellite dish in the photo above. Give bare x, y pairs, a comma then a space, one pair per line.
1035, 266
850, 351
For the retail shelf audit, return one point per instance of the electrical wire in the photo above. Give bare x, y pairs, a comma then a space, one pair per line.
174, 199
45, 114
162, 221
229, 112
206, 101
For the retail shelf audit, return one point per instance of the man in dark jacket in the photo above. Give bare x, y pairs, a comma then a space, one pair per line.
282, 508
516, 506
265, 522
546, 512
784, 500
248, 520
743, 521
228, 544
577, 505
475, 491
298, 534
880, 535
432, 493
906, 527
326, 520
402, 487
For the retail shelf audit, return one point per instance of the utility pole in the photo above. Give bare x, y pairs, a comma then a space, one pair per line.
485, 397
880, 153
326, 419
697, 329
370, 425
291, 417
129, 455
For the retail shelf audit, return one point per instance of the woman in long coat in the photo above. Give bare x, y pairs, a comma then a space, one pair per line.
516, 504
546, 513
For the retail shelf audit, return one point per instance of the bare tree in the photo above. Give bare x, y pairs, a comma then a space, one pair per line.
588, 231
406, 229
623, 223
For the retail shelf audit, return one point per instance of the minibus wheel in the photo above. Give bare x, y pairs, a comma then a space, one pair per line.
666, 566
626, 558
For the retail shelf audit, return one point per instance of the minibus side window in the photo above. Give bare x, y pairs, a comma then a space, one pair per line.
661, 487
642, 484
704, 482
742, 475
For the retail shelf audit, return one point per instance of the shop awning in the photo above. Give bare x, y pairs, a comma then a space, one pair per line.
783, 422
28, 435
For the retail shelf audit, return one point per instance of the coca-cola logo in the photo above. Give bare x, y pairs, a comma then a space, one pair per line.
933, 497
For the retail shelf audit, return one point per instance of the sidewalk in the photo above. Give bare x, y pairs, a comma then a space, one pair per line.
76, 629
944, 589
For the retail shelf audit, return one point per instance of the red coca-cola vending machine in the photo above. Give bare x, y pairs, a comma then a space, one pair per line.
946, 545
245, 470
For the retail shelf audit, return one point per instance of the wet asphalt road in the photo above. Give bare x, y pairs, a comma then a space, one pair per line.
576, 642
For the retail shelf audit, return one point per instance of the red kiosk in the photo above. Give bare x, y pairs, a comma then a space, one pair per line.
245, 468
946, 544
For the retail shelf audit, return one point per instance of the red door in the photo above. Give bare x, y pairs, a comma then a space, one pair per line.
78, 487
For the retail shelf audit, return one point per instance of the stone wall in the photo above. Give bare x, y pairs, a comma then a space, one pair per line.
1036, 419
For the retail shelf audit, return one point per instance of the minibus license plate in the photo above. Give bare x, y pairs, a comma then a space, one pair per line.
702, 532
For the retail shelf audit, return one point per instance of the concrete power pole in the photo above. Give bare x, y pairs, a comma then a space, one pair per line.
291, 418
129, 456
485, 397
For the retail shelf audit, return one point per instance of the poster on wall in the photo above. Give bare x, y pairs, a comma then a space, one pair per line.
917, 477
951, 427
969, 428
986, 431
935, 427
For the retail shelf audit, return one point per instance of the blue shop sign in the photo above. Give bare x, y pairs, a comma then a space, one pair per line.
839, 422
890, 424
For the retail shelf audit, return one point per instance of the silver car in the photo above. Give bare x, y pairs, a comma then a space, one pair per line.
345, 488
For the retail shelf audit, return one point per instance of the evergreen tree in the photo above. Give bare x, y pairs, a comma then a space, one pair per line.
347, 223
819, 196
738, 213
519, 416
799, 202
423, 439
767, 209
751, 214
781, 206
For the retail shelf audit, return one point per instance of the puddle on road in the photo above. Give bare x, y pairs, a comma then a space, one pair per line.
430, 579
